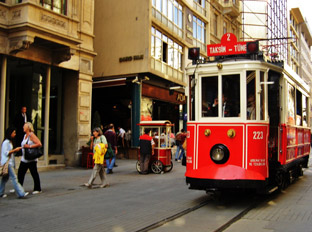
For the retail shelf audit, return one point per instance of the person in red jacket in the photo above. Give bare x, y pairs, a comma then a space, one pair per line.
146, 150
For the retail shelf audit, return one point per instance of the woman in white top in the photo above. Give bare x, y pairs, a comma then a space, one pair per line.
7, 152
30, 141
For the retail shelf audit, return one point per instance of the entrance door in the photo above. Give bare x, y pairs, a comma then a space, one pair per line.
27, 87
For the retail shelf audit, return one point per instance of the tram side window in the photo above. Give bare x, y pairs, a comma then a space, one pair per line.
251, 90
304, 111
192, 94
209, 96
298, 107
291, 104
262, 97
231, 95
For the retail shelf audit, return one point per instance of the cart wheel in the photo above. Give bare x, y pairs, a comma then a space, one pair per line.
138, 167
169, 167
157, 167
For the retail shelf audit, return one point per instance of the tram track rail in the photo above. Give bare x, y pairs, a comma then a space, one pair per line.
255, 203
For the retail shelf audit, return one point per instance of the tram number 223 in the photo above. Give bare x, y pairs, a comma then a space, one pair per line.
257, 135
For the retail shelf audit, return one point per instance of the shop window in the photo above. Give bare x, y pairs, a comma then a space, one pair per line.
59, 6
27, 87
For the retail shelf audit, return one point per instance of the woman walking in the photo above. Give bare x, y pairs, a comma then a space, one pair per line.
99, 147
7, 152
30, 141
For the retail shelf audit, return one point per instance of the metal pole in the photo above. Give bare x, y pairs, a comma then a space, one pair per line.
46, 116
2, 96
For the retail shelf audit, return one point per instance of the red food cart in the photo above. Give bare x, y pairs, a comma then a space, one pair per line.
163, 136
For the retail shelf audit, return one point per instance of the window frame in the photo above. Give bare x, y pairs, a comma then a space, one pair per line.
62, 10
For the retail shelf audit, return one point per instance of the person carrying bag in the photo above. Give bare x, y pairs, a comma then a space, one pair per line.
7, 162
98, 157
33, 153
99, 146
30, 141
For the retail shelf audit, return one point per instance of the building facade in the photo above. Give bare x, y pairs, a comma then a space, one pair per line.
142, 51
47, 65
300, 46
267, 21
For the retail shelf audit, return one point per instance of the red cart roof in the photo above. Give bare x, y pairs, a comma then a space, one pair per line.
156, 123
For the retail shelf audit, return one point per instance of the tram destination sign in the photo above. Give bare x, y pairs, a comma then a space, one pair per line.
228, 46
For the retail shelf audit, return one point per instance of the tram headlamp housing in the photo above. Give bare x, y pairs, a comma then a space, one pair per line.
219, 154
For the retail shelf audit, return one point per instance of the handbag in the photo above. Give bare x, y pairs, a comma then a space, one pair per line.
4, 169
109, 153
33, 153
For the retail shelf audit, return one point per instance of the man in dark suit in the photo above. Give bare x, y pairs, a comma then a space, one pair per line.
19, 122
228, 108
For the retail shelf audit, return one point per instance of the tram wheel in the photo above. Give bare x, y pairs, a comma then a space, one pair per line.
138, 167
157, 166
280, 179
300, 170
169, 167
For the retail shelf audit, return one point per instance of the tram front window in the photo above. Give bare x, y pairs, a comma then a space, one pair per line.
230, 96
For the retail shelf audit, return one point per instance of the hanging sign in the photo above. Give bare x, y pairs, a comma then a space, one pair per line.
228, 46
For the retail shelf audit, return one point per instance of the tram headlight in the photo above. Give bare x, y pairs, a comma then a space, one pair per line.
219, 154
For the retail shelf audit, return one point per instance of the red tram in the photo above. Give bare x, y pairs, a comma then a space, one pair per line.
248, 124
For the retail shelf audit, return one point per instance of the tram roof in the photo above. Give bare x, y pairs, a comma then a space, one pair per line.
155, 123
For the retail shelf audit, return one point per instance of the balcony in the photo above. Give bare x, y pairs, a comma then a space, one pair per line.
169, 72
231, 8
199, 8
24, 23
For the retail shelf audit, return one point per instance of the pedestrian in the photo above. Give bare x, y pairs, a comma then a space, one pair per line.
20, 119
7, 152
99, 147
121, 138
128, 142
146, 150
97, 137
30, 141
128, 138
112, 141
180, 138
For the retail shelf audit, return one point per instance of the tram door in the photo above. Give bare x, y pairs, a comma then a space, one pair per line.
257, 126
